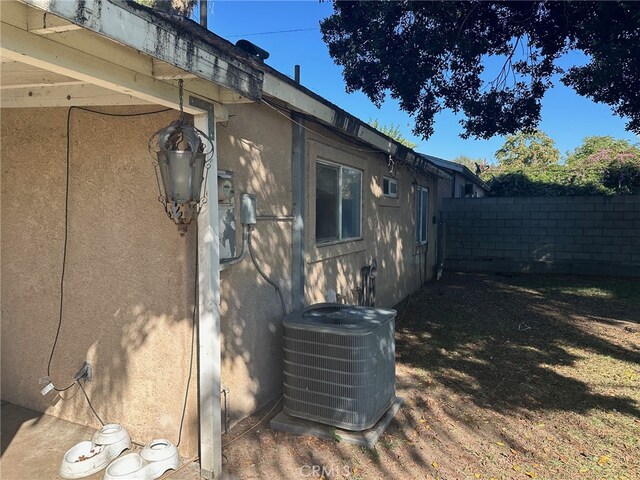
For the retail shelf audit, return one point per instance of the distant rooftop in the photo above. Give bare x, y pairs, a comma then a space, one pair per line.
456, 167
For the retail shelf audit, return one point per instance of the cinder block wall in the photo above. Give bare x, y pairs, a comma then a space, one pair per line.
580, 235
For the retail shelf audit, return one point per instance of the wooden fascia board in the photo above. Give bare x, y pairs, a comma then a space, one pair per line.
39, 51
159, 39
297, 99
65, 96
44, 23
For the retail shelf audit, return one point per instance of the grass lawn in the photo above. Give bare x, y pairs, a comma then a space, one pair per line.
504, 377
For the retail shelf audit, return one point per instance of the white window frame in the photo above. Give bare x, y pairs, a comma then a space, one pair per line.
390, 181
422, 216
339, 238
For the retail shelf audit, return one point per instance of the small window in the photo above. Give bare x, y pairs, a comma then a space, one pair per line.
468, 190
338, 202
422, 214
460, 191
390, 187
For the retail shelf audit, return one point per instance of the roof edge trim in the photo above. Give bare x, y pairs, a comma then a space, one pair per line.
137, 27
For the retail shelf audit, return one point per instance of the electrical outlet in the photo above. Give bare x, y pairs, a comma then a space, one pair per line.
85, 373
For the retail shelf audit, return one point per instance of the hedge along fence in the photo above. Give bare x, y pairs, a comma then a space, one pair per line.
603, 173
594, 235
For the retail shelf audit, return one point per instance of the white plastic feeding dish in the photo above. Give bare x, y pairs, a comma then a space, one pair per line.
89, 457
154, 459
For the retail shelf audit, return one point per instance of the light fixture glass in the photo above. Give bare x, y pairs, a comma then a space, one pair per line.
183, 155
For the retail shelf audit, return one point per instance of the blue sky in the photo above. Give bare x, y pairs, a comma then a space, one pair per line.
566, 117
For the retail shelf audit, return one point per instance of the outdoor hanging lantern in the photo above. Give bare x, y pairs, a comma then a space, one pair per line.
183, 158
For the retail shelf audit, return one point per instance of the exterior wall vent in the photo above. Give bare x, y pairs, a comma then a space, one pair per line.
339, 364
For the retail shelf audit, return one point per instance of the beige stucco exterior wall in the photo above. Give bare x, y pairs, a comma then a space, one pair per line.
256, 146
388, 232
129, 281
129, 286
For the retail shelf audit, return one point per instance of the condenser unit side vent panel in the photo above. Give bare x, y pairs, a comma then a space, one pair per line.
339, 364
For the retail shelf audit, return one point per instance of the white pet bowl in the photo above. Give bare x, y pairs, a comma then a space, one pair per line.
154, 459
87, 458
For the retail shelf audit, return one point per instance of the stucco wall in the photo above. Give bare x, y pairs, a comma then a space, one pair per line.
256, 145
129, 283
388, 232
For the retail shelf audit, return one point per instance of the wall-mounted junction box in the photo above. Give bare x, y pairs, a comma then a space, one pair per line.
248, 209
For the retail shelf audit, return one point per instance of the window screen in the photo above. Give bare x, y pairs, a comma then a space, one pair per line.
338, 202
422, 214
390, 187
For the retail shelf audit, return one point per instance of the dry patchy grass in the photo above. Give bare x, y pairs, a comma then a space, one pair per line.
504, 376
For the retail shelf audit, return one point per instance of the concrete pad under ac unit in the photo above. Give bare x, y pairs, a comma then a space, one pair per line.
366, 438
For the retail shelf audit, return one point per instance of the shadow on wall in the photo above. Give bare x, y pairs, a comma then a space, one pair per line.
256, 146
251, 314
388, 236
129, 279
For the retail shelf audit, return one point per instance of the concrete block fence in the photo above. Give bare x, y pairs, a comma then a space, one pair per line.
578, 235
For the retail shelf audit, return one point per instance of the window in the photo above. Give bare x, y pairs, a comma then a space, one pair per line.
468, 190
460, 191
422, 214
390, 187
338, 202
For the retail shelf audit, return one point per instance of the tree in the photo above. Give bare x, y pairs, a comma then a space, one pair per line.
606, 146
394, 132
431, 56
611, 162
180, 7
600, 166
476, 165
524, 150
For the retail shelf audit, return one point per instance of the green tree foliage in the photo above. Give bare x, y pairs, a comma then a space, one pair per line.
431, 56
179, 7
600, 166
394, 132
469, 162
476, 165
598, 144
528, 150
612, 162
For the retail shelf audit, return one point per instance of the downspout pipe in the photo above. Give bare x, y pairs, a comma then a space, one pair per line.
298, 192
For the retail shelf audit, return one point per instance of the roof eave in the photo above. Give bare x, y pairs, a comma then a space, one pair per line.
149, 32
301, 99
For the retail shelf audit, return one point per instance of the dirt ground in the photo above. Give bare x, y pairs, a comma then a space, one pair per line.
504, 377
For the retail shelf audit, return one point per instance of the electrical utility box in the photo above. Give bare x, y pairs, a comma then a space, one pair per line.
248, 210
226, 214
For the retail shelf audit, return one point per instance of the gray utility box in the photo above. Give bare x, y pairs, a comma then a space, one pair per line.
339, 364
248, 214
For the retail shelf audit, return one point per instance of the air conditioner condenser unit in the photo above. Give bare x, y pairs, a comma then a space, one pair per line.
339, 364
